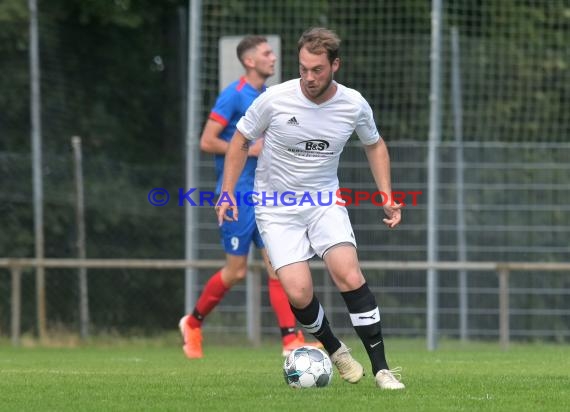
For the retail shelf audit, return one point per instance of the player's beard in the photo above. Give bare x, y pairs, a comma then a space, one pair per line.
320, 92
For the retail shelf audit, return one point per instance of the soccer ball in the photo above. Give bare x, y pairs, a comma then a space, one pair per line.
307, 367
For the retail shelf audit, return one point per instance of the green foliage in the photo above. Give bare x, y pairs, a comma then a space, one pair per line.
507, 49
99, 60
13, 11
105, 60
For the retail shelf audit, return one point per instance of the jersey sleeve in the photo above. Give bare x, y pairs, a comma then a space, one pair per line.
257, 118
366, 127
224, 107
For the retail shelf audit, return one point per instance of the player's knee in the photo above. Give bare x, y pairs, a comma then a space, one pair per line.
240, 274
272, 275
232, 275
350, 281
299, 298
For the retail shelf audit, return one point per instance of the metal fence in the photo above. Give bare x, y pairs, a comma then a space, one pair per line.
503, 188
515, 209
508, 316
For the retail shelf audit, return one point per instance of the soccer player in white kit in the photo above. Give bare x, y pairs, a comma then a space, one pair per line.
306, 123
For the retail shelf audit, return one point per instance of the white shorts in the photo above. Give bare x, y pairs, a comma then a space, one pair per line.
296, 233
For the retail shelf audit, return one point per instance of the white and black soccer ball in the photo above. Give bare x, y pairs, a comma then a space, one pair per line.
307, 367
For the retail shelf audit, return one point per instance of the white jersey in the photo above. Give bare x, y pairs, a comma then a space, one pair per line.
304, 140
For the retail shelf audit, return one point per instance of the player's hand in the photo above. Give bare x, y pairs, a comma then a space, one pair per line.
255, 149
393, 214
226, 202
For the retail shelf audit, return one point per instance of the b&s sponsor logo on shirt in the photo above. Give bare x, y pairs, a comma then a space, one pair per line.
312, 148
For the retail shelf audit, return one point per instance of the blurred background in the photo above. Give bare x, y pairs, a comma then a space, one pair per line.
490, 94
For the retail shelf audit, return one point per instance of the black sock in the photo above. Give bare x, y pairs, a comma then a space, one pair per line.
197, 315
365, 318
287, 331
315, 322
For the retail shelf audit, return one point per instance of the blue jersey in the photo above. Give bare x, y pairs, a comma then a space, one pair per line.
231, 105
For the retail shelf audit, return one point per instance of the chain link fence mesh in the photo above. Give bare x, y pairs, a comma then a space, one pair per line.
515, 92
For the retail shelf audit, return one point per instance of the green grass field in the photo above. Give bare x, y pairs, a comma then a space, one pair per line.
146, 376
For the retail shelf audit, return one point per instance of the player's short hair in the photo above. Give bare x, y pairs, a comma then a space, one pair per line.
248, 43
318, 40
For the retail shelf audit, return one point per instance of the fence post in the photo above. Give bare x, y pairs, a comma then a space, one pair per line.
504, 307
459, 171
434, 140
81, 243
16, 304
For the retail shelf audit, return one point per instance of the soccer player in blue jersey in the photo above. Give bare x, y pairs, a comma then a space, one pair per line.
258, 59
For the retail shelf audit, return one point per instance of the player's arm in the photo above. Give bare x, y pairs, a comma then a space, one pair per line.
210, 141
236, 157
379, 161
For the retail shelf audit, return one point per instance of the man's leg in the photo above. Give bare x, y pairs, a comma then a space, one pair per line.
290, 337
297, 281
279, 303
214, 291
343, 266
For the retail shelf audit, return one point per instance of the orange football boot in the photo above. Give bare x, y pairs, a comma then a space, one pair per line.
192, 339
298, 342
